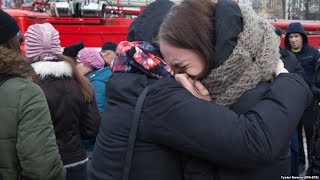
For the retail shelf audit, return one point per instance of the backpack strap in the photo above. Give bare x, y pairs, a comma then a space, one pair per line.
133, 132
4, 78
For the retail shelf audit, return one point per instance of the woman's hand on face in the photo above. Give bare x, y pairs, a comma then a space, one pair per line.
195, 87
280, 68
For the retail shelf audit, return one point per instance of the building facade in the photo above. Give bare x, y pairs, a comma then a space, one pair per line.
272, 9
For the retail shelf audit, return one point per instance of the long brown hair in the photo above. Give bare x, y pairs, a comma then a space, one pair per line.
190, 25
83, 82
13, 44
13, 63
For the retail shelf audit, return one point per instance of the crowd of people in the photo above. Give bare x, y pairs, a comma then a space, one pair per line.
181, 99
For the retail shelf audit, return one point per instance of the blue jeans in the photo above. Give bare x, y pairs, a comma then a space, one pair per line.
88, 145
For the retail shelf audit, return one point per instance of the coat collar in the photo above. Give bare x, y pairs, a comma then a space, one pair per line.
56, 69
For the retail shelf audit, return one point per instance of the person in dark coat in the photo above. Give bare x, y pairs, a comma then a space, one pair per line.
232, 46
314, 156
174, 123
296, 41
71, 100
293, 66
290, 61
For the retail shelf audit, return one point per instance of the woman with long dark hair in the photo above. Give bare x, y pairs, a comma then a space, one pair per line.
243, 132
70, 97
27, 140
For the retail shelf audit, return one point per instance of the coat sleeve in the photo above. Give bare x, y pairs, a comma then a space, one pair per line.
36, 142
299, 70
90, 121
222, 137
291, 63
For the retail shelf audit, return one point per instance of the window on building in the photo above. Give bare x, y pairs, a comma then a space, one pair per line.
271, 3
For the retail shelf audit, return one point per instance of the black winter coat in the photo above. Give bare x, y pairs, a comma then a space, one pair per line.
195, 169
73, 119
174, 123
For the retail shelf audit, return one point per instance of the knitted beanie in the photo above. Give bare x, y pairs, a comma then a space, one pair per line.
91, 58
73, 49
40, 39
109, 46
8, 26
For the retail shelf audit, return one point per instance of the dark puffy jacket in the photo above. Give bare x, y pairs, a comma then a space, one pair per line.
173, 122
195, 169
152, 143
73, 119
308, 56
225, 43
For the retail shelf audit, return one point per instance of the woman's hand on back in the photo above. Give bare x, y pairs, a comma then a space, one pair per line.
280, 68
195, 87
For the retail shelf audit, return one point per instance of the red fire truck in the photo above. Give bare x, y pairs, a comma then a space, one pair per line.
95, 21
92, 22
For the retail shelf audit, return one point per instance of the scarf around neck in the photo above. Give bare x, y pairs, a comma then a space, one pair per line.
254, 59
140, 57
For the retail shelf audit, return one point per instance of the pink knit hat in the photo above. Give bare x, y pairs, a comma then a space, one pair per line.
42, 38
91, 58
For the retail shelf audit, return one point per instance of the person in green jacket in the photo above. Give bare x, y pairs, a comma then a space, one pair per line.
28, 146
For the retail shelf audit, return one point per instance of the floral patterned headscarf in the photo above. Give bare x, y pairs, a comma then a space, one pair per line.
140, 57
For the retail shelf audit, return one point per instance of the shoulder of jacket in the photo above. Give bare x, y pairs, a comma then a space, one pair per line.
315, 50
18, 83
19, 90
163, 82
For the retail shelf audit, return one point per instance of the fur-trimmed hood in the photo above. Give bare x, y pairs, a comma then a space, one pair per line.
52, 68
